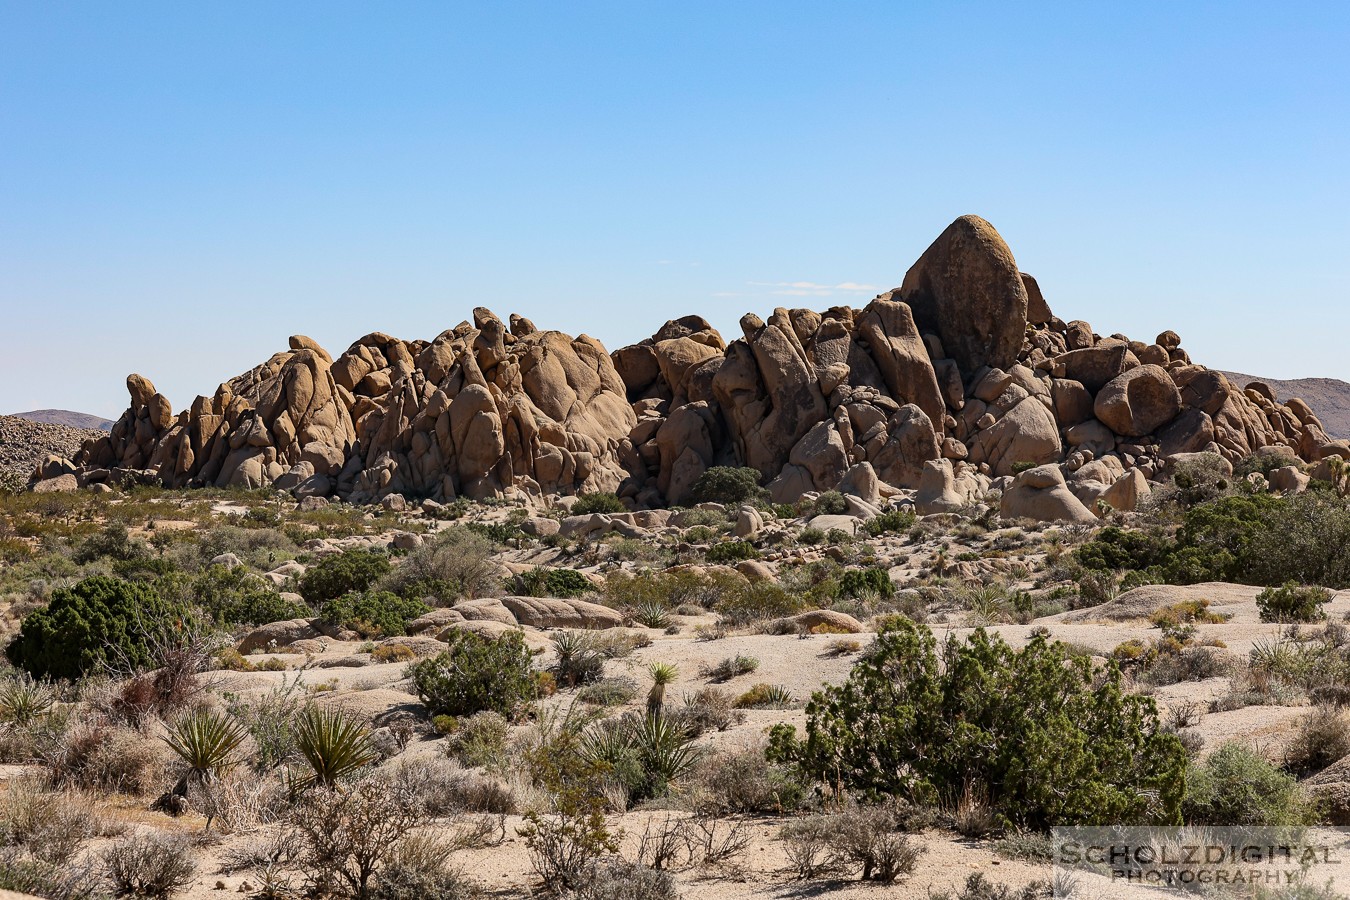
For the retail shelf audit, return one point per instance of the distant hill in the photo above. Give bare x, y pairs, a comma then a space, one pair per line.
24, 442
1328, 397
67, 417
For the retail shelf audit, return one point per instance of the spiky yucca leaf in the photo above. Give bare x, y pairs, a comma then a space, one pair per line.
206, 741
23, 699
334, 745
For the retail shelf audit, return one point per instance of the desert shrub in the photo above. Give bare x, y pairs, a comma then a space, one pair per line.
858, 583
476, 674
1201, 479
1185, 612
731, 551
373, 613
757, 601
410, 873
829, 503
480, 739
731, 667
978, 887
541, 582
388, 653
765, 696
618, 879
708, 709
727, 485
1169, 664
597, 502
744, 781
51, 826
457, 563
270, 719
1052, 742
868, 838
99, 621
570, 833
1237, 786
609, 692
349, 835
150, 865
42, 879
345, 573
893, 521
1292, 603
232, 596
112, 542
1322, 737
1116, 549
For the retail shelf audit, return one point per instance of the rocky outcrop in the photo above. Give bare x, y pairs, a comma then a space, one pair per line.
961, 375
480, 411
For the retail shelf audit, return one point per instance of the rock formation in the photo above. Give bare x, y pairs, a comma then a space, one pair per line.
950, 384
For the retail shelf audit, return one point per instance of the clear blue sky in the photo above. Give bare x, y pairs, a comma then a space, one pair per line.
183, 185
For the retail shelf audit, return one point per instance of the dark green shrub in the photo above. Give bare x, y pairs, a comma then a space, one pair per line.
732, 551
476, 674
892, 521
1237, 786
345, 573
857, 583
541, 582
374, 613
113, 542
1292, 603
830, 503
234, 597
1113, 549
1048, 740
727, 485
597, 503
99, 621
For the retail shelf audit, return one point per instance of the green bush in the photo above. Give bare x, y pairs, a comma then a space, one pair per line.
892, 521
458, 563
727, 485
1245, 538
234, 597
98, 621
1237, 786
830, 503
1292, 603
476, 674
732, 551
597, 503
1049, 741
345, 573
857, 583
541, 582
374, 613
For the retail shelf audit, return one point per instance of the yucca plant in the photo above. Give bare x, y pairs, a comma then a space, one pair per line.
334, 745
23, 699
206, 742
662, 675
665, 751
651, 613
578, 661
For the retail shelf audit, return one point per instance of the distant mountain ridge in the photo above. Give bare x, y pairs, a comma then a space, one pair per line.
1328, 397
68, 418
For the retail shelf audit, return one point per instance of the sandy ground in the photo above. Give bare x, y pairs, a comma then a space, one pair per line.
801, 664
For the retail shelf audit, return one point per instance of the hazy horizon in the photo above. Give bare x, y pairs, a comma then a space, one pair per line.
182, 187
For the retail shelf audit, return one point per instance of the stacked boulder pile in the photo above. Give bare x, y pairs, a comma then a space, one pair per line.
959, 381
478, 411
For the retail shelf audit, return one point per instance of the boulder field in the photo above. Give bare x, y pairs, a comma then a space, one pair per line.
946, 386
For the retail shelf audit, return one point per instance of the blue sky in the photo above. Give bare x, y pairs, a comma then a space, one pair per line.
183, 185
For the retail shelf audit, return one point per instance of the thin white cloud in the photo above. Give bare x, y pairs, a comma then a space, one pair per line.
813, 288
